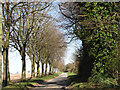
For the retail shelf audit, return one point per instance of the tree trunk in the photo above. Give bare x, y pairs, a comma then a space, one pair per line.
119, 54
46, 68
42, 69
31, 58
38, 67
23, 63
6, 47
33, 62
0, 43
86, 64
8, 73
33, 66
23, 68
4, 67
119, 64
50, 69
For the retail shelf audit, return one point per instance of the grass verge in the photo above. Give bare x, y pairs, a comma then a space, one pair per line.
75, 81
30, 83
70, 74
78, 83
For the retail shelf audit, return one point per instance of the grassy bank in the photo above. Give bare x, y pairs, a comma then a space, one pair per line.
70, 74
30, 83
76, 82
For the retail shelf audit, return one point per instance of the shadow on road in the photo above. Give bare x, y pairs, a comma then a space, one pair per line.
59, 83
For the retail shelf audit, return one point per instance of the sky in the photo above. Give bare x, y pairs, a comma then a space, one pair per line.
15, 63
71, 49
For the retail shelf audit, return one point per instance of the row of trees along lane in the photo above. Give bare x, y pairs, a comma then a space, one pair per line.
29, 28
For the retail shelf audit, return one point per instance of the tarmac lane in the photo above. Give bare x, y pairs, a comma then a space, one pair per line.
58, 83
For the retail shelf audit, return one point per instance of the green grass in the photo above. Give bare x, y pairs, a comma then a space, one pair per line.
51, 76
70, 74
30, 83
75, 81
46, 77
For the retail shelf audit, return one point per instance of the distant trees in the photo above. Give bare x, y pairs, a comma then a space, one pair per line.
29, 28
69, 67
74, 66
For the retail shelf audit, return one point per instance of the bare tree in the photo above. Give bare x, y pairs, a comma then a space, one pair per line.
23, 28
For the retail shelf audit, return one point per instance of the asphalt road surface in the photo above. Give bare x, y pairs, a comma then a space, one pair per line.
58, 83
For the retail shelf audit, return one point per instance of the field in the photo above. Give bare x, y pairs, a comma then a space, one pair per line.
34, 82
17, 77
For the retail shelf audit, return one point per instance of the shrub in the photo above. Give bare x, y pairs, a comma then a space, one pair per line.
103, 81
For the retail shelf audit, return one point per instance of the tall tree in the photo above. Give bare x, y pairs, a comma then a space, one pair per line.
96, 25
5, 40
22, 29
7, 10
0, 43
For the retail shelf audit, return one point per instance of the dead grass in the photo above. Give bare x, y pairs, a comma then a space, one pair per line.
33, 82
17, 77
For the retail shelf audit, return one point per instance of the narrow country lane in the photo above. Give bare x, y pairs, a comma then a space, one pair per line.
59, 82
